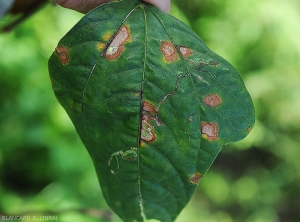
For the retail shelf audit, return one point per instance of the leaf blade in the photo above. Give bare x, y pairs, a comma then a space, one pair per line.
147, 106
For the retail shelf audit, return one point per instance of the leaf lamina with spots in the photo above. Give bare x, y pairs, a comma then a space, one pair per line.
152, 104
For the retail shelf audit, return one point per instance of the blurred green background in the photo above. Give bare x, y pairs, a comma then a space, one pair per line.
45, 169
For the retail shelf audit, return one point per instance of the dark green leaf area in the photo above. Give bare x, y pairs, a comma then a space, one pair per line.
152, 104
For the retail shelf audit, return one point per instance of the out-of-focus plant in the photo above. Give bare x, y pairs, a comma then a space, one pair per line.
17, 11
254, 180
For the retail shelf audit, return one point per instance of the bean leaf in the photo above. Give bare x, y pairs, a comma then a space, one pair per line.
152, 104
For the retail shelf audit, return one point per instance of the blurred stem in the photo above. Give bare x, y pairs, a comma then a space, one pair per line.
23, 9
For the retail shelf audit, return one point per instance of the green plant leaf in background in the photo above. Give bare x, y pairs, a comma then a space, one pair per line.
152, 104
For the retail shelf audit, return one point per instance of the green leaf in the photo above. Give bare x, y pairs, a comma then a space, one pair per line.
152, 104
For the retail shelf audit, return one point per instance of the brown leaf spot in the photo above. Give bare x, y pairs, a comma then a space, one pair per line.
148, 107
100, 46
185, 52
169, 51
195, 178
249, 129
116, 47
212, 100
63, 54
147, 133
214, 64
209, 130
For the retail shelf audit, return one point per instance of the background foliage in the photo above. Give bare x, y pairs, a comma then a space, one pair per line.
45, 168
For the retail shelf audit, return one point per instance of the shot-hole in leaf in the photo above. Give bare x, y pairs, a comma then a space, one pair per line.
152, 104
